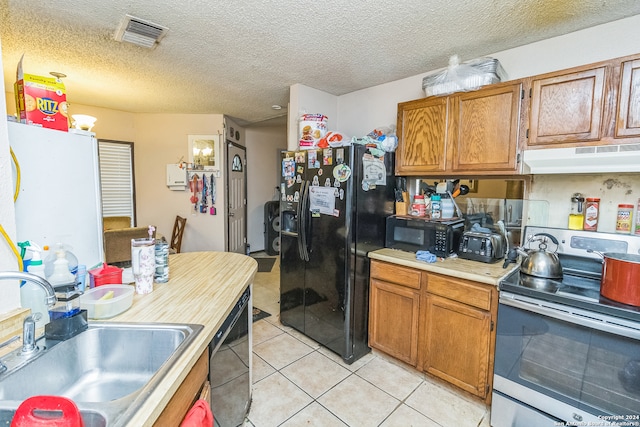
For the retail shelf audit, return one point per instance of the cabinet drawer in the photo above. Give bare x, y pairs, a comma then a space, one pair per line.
404, 276
460, 290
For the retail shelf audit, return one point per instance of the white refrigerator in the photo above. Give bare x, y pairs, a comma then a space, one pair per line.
59, 199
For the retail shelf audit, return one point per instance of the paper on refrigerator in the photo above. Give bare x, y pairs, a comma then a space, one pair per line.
375, 172
322, 200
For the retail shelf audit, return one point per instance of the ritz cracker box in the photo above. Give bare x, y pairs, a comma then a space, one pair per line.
40, 101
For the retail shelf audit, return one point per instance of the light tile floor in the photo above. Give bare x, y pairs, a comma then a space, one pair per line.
297, 382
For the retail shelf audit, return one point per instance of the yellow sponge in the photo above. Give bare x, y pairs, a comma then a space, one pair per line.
108, 295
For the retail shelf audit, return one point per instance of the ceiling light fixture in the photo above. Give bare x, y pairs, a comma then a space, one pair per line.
276, 107
140, 32
83, 122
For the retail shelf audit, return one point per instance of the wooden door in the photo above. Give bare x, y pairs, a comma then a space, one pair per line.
567, 108
457, 343
237, 197
628, 111
422, 132
483, 130
393, 320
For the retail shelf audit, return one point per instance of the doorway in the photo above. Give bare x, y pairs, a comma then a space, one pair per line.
237, 197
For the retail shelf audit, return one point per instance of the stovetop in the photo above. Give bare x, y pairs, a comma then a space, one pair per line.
582, 270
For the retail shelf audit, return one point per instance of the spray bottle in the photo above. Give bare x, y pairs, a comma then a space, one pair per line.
32, 296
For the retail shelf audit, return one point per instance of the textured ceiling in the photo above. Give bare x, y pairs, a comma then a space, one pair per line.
240, 57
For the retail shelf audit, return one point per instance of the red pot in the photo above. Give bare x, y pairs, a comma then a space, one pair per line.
621, 278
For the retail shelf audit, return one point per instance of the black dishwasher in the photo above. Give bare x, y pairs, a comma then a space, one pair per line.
230, 365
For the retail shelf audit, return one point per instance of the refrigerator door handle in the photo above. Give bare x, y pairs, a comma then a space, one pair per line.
304, 216
300, 222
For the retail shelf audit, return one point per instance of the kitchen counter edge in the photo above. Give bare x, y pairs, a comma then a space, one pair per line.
487, 273
202, 289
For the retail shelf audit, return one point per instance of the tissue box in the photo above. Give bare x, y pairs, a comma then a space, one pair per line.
41, 101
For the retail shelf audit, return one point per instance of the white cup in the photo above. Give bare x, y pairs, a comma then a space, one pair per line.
143, 264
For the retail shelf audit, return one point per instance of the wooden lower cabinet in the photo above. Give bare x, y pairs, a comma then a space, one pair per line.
439, 324
189, 391
455, 343
393, 312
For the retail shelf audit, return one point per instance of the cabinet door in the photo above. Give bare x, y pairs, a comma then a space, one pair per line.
186, 394
567, 108
628, 117
422, 132
483, 129
393, 320
456, 343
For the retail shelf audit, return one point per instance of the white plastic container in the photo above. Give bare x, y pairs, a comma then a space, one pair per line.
447, 207
107, 301
32, 296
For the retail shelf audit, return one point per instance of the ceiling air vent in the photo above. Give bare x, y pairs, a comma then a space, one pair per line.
139, 31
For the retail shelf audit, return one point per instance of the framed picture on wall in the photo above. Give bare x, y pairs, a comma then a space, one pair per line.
204, 152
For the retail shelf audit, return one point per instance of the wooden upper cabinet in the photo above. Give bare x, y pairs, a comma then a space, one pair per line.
628, 111
483, 129
568, 107
465, 133
422, 131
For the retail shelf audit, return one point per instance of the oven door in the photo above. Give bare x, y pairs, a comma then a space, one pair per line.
569, 363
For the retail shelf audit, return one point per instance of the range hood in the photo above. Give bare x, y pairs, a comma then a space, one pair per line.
596, 159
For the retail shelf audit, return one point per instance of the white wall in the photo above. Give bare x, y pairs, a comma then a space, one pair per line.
162, 139
9, 290
264, 145
612, 190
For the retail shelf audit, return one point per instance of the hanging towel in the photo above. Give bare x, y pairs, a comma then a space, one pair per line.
199, 415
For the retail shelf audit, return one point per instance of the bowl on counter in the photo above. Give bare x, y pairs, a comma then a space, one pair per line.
106, 301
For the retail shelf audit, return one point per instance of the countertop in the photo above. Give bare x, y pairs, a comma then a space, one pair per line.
476, 271
202, 289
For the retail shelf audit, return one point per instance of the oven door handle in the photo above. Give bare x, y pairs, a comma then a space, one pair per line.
575, 316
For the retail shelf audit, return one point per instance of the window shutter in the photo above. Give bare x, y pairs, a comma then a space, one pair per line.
116, 176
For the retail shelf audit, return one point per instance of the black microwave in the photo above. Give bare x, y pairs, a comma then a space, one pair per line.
413, 234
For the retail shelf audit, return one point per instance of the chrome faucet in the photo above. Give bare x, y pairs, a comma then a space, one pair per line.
20, 275
29, 333
29, 324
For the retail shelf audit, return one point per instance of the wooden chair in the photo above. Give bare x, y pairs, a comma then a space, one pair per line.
176, 235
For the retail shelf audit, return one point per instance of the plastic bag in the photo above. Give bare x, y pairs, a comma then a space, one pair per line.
385, 137
462, 77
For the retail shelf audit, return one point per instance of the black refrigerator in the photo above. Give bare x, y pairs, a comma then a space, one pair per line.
333, 205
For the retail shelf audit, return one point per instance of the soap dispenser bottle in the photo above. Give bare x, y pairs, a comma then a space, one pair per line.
61, 274
64, 283
32, 296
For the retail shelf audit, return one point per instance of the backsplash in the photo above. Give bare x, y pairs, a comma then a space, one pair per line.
611, 189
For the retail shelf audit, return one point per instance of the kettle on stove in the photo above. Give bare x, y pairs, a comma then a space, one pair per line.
541, 268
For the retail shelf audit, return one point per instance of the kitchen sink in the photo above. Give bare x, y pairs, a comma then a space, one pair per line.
108, 370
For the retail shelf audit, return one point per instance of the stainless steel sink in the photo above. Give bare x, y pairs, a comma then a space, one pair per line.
107, 370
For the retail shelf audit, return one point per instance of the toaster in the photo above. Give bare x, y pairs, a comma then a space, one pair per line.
482, 246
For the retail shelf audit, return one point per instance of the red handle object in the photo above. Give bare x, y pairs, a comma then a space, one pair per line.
49, 411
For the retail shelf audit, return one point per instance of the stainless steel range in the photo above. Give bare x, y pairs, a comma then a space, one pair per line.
564, 354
